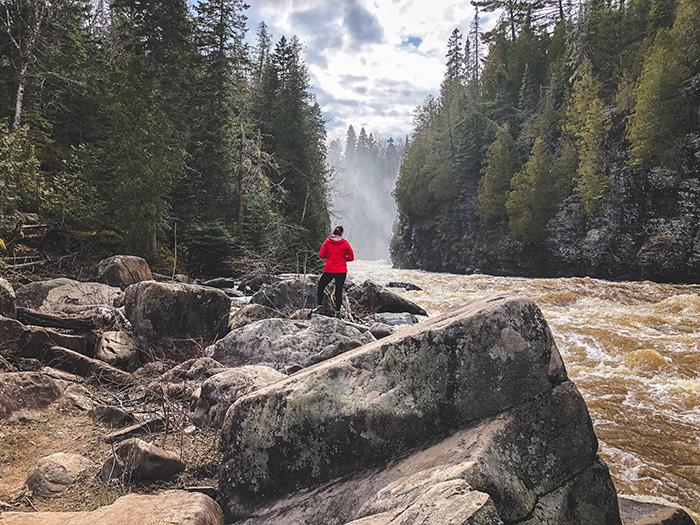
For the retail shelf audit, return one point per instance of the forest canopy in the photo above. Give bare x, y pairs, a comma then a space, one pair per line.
528, 112
157, 122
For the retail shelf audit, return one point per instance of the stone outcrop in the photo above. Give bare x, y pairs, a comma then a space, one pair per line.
172, 507
175, 310
474, 403
280, 342
7, 299
136, 459
57, 472
65, 295
649, 231
122, 271
220, 391
26, 391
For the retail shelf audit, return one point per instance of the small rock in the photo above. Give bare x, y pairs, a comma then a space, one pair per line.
138, 459
154, 425
380, 330
395, 319
55, 473
117, 349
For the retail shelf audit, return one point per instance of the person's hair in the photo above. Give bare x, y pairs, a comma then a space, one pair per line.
338, 230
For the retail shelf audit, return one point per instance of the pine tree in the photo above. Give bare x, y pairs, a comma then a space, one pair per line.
659, 123
500, 164
587, 126
532, 202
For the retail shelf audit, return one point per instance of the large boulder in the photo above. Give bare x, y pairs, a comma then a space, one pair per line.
478, 395
7, 299
123, 270
370, 297
289, 294
26, 391
178, 311
220, 391
173, 507
280, 342
65, 295
57, 472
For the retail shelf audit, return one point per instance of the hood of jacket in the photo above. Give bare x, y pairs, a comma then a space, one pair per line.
336, 239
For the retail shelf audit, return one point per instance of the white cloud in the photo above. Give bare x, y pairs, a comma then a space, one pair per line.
371, 62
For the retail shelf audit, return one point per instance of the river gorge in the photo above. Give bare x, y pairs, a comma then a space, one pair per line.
632, 349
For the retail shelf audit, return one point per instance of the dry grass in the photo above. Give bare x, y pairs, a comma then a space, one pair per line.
62, 427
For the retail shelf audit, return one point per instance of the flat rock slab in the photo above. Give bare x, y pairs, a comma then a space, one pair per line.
173, 507
642, 513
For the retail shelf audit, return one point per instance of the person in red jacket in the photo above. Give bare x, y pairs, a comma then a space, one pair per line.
337, 252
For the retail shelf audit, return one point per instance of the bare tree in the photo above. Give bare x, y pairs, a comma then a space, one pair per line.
26, 23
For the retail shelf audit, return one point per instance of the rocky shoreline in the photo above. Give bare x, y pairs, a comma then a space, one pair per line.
190, 411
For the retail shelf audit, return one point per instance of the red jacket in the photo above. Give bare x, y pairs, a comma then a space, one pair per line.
337, 252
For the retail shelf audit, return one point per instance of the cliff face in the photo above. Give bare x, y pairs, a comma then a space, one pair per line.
650, 229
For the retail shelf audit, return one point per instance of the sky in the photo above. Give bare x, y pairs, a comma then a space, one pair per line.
371, 62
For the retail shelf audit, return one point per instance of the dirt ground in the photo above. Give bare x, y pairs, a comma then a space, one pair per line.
63, 427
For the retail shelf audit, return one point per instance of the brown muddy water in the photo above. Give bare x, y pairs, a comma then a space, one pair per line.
631, 348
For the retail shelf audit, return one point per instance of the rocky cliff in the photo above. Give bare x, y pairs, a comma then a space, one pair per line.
650, 229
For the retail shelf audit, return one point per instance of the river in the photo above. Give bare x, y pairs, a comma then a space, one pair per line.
632, 349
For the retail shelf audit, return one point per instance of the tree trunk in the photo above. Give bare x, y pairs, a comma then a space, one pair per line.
21, 83
241, 175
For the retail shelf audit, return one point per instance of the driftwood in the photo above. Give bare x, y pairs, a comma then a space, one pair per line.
28, 316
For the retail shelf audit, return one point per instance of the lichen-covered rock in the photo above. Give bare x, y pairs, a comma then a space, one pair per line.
123, 270
134, 458
288, 295
250, 313
220, 391
177, 311
279, 342
57, 472
173, 507
65, 295
26, 391
7, 299
479, 394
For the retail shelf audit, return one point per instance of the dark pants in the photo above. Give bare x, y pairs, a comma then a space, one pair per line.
325, 279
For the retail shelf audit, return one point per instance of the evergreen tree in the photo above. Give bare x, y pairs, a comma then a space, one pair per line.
500, 164
587, 126
532, 201
660, 121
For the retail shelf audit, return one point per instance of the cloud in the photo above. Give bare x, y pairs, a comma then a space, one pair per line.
371, 62
363, 26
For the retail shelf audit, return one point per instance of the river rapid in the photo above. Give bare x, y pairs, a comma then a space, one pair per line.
631, 348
